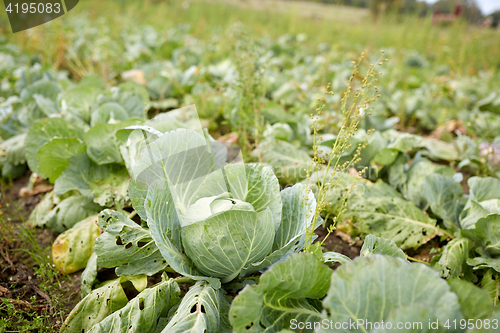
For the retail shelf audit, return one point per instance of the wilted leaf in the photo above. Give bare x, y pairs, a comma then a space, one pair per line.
73, 248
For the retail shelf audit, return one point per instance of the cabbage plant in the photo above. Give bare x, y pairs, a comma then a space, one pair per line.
214, 219
207, 219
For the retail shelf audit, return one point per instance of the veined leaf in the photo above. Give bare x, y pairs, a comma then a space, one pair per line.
491, 283
111, 190
79, 174
475, 302
78, 102
378, 287
210, 311
254, 184
472, 212
281, 296
141, 314
419, 170
66, 213
70, 211
37, 216
108, 113
47, 105
14, 149
53, 157
45, 88
165, 229
484, 261
298, 208
376, 245
334, 257
487, 234
182, 158
338, 185
395, 219
89, 275
289, 163
484, 188
443, 194
73, 248
224, 244
439, 150
42, 132
126, 246
453, 261
101, 302
386, 156
102, 144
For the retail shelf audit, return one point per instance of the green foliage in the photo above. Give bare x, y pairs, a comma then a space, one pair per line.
365, 289
281, 296
230, 231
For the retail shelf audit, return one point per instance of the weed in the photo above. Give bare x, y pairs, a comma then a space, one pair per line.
355, 105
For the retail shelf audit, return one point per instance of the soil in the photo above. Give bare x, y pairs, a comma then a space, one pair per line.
19, 281
339, 242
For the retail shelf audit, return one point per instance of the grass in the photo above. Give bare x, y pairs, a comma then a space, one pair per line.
466, 49
43, 297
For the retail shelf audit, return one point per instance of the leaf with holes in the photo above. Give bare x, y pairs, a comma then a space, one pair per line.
202, 309
67, 212
126, 246
142, 313
394, 218
103, 301
73, 248
453, 261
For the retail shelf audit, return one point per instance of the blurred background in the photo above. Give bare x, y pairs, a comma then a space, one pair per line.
460, 33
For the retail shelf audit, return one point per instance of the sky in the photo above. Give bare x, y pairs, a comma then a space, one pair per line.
487, 6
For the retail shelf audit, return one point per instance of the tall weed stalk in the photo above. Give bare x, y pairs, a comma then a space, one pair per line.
355, 105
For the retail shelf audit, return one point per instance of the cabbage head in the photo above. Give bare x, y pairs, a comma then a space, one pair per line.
211, 219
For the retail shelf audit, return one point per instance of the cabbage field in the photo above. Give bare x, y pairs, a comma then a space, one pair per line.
219, 169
